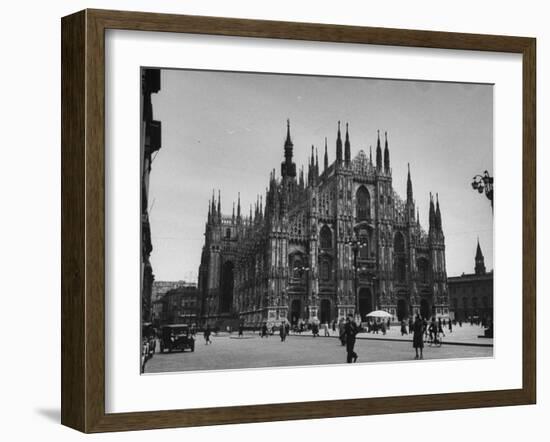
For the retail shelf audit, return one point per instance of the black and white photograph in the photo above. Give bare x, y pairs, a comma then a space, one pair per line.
304, 220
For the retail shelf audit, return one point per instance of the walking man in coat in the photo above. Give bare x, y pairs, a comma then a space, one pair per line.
350, 331
282, 332
418, 337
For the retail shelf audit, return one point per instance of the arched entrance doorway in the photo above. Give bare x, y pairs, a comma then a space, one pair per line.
325, 311
365, 302
295, 311
425, 310
226, 298
402, 310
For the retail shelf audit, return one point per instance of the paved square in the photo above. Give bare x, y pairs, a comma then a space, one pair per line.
251, 351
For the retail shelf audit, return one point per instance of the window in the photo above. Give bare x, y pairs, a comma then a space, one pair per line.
326, 238
297, 267
227, 233
324, 270
400, 271
423, 270
399, 243
400, 262
363, 204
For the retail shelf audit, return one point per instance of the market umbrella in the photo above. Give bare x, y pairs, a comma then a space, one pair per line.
379, 314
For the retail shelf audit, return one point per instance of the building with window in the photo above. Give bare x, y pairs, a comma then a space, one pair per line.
292, 258
471, 295
179, 305
160, 288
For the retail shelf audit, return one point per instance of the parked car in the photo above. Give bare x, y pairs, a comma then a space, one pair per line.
176, 337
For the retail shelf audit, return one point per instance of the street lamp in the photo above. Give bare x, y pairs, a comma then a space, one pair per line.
484, 183
356, 245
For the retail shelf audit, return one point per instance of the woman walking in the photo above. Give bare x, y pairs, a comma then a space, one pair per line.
418, 337
207, 333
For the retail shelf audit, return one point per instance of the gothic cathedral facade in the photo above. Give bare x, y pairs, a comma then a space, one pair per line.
338, 241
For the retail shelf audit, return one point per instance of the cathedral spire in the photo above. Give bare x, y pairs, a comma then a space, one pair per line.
219, 205
213, 205
347, 152
233, 216
288, 141
378, 154
370, 156
339, 146
239, 207
437, 214
261, 207
326, 155
409, 185
432, 214
288, 168
479, 260
316, 163
386, 155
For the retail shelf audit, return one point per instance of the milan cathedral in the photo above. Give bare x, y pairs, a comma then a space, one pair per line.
335, 241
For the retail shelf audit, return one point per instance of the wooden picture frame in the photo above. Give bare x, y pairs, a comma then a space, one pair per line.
83, 220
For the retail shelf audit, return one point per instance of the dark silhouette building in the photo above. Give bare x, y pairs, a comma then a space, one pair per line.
150, 143
292, 256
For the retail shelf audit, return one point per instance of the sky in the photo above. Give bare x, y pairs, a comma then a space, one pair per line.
226, 130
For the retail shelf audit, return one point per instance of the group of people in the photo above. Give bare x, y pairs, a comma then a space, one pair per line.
433, 329
378, 326
422, 330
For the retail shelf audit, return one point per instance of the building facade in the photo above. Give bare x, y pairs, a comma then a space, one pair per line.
160, 288
150, 143
471, 295
179, 305
335, 241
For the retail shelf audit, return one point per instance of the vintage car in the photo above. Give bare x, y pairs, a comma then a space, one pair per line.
176, 337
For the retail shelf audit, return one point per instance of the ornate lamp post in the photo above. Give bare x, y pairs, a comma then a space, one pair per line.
356, 245
484, 183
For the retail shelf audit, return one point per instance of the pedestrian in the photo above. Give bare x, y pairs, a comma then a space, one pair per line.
334, 325
315, 329
207, 333
264, 330
383, 327
282, 331
403, 328
440, 328
325, 328
450, 326
418, 337
388, 325
425, 323
342, 332
241, 327
433, 330
350, 332
287, 329
411, 323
